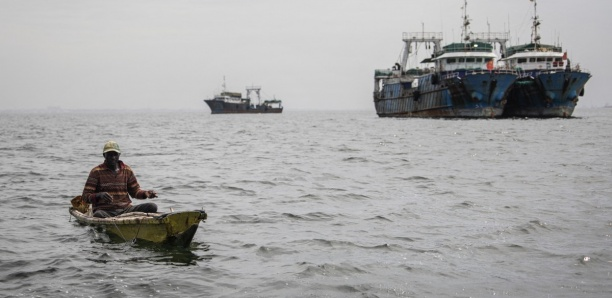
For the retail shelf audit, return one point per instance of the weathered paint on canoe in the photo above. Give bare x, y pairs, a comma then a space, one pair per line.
176, 228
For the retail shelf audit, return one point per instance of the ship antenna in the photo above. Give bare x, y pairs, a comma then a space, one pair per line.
223, 84
535, 37
466, 23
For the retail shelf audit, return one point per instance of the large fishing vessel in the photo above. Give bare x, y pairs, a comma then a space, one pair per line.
548, 85
232, 103
462, 83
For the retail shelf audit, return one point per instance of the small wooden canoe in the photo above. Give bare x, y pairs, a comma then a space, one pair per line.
175, 228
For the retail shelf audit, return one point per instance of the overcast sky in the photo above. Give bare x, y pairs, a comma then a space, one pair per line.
312, 54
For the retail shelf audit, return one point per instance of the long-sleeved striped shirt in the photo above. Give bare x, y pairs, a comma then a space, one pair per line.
121, 185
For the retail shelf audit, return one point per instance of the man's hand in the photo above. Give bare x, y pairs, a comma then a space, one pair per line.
104, 197
149, 194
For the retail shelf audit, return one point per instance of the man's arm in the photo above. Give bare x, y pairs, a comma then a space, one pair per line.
136, 192
89, 191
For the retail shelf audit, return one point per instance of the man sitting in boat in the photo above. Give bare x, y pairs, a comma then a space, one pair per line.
110, 185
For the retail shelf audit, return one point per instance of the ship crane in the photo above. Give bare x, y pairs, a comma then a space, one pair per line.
255, 89
419, 37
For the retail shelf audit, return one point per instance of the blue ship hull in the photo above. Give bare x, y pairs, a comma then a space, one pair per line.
459, 94
546, 95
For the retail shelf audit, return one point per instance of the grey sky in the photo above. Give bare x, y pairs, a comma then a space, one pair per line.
312, 54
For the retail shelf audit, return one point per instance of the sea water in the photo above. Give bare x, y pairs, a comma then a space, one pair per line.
316, 204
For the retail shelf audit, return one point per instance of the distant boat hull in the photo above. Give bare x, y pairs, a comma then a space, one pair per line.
546, 94
221, 107
462, 94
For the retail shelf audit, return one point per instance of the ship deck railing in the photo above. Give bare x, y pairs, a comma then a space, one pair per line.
526, 73
456, 73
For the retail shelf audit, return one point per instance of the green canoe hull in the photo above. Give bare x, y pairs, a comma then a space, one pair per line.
176, 228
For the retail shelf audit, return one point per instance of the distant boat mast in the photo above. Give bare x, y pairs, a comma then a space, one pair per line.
465, 35
535, 37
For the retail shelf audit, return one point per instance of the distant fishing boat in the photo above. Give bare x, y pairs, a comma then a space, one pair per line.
463, 82
232, 103
548, 85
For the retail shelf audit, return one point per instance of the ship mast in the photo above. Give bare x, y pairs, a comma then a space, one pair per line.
535, 37
465, 35
500, 38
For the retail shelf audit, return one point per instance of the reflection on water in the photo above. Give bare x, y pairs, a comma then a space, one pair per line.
143, 251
